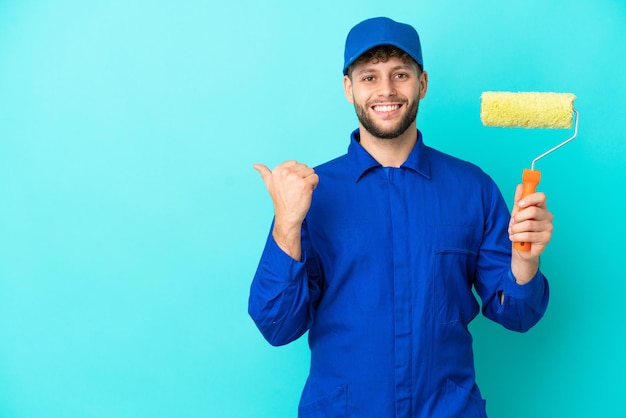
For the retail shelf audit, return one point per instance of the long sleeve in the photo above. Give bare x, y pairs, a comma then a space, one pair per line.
523, 305
283, 294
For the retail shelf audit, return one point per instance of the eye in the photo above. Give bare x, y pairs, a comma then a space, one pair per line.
402, 75
368, 78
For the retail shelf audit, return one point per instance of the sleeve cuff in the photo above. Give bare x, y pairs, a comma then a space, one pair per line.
533, 290
281, 263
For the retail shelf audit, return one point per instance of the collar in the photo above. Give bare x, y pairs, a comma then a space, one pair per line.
361, 161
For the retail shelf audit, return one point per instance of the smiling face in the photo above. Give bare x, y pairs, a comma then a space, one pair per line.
386, 94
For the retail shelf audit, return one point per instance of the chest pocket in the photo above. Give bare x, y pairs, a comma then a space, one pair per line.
455, 257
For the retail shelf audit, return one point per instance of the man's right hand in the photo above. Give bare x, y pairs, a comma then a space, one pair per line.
290, 186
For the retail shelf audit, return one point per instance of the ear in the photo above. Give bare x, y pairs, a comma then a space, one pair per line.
423, 84
347, 89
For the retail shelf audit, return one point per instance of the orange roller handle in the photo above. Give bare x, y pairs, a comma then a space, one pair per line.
530, 180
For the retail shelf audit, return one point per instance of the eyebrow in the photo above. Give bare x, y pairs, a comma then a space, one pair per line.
370, 69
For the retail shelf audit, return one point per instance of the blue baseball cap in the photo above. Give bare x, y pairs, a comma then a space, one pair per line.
381, 31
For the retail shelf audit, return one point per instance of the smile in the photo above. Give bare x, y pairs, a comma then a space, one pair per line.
386, 108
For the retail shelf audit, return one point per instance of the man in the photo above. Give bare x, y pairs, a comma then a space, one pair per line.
375, 253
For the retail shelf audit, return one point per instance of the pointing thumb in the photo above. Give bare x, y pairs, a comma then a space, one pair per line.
263, 171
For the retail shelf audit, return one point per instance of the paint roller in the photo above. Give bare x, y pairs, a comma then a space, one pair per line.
530, 110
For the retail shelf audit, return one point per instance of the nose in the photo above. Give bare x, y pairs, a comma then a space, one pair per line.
387, 88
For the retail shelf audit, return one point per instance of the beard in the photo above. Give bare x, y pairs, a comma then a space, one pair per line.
390, 133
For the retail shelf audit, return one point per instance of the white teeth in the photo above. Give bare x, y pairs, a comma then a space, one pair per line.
386, 108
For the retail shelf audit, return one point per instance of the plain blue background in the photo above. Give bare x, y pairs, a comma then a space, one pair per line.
131, 220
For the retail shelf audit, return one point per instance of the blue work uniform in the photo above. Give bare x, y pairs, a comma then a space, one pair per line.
384, 288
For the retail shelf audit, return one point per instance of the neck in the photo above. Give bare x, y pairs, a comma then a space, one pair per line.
390, 152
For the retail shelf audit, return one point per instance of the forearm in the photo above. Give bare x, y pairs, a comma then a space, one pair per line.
281, 296
288, 237
513, 290
523, 269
